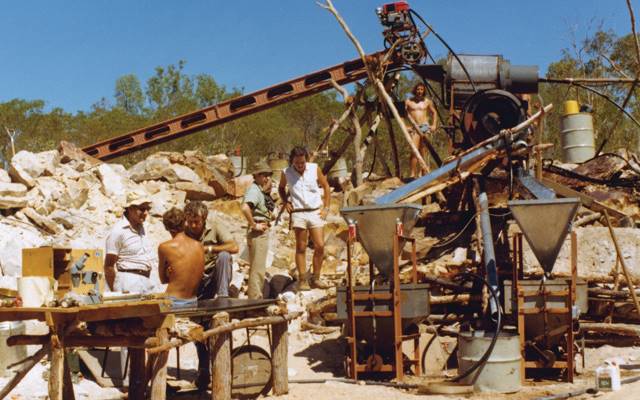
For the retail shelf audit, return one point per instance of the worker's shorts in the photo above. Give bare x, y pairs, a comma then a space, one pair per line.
307, 220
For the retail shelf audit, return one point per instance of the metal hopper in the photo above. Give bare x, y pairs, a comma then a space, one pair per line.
545, 224
376, 227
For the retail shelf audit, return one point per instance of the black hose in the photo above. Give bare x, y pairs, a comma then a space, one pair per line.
399, 385
481, 362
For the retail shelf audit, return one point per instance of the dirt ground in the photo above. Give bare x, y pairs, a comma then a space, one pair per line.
320, 357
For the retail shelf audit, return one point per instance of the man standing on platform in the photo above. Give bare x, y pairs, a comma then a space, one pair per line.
129, 252
422, 111
308, 209
257, 207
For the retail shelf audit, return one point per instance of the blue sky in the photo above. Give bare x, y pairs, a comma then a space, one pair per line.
70, 53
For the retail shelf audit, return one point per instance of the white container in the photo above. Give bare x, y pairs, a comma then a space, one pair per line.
36, 291
608, 377
10, 355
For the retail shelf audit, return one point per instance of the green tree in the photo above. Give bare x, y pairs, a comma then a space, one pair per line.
129, 94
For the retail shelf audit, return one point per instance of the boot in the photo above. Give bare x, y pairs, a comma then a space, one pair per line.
318, 283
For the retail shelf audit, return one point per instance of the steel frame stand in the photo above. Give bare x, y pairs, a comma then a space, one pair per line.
393, 298
567, 363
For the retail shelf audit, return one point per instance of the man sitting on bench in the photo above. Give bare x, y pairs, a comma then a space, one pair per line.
181, 262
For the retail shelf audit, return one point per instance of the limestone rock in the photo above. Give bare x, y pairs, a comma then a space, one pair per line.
114, 184
153, 168
13, 189
164, 200
7, 202
75, 195
14, 236
69, 152
36, 164
196, 191
43, 222
185, 173
19, 175
4, 176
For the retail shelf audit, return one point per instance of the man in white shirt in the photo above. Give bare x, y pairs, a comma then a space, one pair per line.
308, 209
129, 252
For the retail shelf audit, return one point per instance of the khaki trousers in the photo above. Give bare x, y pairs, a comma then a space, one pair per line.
258, 244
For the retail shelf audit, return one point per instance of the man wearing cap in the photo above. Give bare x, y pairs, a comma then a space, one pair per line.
129, 252
257, 207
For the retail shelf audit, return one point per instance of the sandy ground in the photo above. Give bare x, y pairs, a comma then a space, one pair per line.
320, 357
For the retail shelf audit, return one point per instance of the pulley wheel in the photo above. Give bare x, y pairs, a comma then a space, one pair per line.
487, 112
374, 362
251, 372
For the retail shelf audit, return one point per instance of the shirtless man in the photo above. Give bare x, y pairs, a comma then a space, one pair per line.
420, 110
181, 261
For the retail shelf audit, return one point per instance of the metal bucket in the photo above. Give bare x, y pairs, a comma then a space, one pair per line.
576, 136
339, 169
239, 165
11, 354
502, 371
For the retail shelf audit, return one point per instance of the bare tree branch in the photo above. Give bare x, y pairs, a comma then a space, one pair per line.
377, 82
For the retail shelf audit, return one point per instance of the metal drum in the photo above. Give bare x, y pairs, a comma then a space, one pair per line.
239, 165
501, 372
277, 166
339, 169
576, 136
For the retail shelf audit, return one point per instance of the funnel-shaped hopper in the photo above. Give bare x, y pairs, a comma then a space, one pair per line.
545, 224
376, 228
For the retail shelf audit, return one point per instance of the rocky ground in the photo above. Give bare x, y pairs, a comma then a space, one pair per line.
64, 198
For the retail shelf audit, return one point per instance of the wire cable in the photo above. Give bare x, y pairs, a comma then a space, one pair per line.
445, 44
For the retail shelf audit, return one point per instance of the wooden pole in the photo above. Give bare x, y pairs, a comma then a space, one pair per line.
56, 368
67, 388
220, 346
158, 364
137, 374
279, 357
394, 145
24, 370
632, 288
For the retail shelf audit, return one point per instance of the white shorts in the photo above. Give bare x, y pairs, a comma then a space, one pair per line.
133, 283
307, 219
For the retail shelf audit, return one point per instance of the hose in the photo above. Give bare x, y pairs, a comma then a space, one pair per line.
398, 385
481, 362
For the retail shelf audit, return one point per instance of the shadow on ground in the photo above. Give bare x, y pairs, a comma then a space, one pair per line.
326, 356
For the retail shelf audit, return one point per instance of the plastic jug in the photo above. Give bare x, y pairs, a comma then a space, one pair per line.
608, 376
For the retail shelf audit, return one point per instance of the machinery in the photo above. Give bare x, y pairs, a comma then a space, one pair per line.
381, 316
401, 31
546, 310
484, 96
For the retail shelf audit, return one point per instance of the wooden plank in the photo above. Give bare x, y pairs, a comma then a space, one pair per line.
382, 314
589, 202
368, 296
81, 341
93, 312
24, 370
137, 374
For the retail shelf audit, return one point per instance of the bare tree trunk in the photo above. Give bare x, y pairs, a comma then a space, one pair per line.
382, 93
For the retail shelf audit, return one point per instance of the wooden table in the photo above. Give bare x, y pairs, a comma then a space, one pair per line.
152, 315
144, 319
